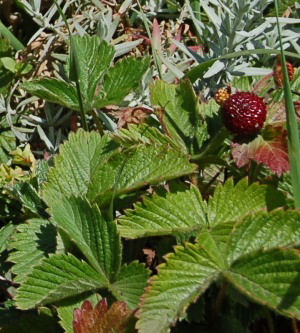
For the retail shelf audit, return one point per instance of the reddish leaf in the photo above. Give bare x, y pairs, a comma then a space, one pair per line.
131, 115
156, 36
276, 114
195, 48
297, 108
271, 151
178, 37
263, 85
101, 319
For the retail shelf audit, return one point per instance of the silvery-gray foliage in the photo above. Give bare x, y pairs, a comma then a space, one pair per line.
91, 17
236, 25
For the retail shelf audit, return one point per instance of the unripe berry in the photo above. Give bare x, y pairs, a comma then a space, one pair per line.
278, 74
222, 94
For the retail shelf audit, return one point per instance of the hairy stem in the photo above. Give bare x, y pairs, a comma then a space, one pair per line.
270, 322
214, 145
295, 326
219, 300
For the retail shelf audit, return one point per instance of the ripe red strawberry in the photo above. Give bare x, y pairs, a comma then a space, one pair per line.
244, 113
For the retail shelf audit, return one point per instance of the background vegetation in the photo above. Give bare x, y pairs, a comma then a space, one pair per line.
125, 204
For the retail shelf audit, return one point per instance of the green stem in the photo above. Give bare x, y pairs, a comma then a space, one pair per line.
97, 122
75, 62
270, 322
214, 145
292, 125
253, 170
16, 44
82, 113
219, 301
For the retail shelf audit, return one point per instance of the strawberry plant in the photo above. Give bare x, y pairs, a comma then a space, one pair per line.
141, 195
94, 61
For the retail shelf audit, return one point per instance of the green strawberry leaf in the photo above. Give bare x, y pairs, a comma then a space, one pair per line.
186, 211
94, 59
269, 278
184, 277
89, 165
77, 161
250, 254
57, 277
143, 133
135, 168
130, 284
28, 196
33, 241
231, 203
7, 144
180, 113
5, 233
93, 235
120, 80
264, 230
53, 90
165, 214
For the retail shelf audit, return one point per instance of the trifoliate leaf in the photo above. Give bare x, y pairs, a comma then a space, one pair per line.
249, 254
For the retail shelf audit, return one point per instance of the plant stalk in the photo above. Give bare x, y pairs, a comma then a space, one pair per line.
213, 146
292, 126
16, 44
155, 52
97, 122
217, 306
294, 325
75, 62
270, 323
